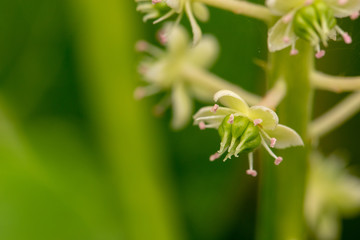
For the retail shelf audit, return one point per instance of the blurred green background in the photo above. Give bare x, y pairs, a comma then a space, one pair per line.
80, 159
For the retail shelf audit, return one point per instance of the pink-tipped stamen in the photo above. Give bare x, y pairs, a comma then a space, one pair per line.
257, 121
294, 52
308, 2
214, 156
354, 15
286, 39
320, 54
272, 142
161, 36
231, 119
141, 46
342, 2
251, 172
139, 93
214, 108
278, 160
287, 18
202, 125
347, 38
156, 1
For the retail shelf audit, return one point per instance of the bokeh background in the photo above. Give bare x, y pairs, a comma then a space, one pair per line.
81, 159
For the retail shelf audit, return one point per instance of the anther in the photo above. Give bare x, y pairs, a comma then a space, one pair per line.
257, 121
251, 172
272, 142
294, 52
214, 156
156, 1
320, 54
342, 2
161, 36
278, 160
347, 38
202, 125
231, 119
354, 15
286, 39
308, 2
141, 46
287, 18
214, 108
139, 93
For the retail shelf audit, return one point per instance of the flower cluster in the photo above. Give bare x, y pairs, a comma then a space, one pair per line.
164, 9
162, 69
311, 20
332, 193
243, 128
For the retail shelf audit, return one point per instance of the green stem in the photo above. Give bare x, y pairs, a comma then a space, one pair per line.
248, 9
282, 188
335, 83
129, 141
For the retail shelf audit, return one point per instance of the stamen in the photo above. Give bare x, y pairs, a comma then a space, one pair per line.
161, 36
141, 92
257, 121
286, 39
287, 18
251, 170
202, 125
214, 108
308, 2
293, 51
228, 156
345, 35
355, 15
278, 160
319, 53
156, 1
251, 173
141, 46
231, 119
272, 142
214, 156
342, 2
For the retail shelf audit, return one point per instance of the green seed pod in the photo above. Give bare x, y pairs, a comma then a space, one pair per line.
225, 133
314, 22
238, 128
249, 140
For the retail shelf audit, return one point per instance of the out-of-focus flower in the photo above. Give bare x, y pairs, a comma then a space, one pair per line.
162, 69
243, 128
311, 20
164, 9
332, 193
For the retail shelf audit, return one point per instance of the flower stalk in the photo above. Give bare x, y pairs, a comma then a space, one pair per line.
243, 8
335, 83
282, 189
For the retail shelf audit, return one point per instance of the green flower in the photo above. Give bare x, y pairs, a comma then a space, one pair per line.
332, 193
243, 128
162, 69
164, 9
311, 20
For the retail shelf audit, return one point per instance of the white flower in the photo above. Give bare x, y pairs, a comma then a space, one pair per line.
164, 9
331, 193
243, 128
312, 20
163, 71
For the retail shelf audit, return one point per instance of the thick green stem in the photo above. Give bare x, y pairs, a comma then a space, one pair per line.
282, 188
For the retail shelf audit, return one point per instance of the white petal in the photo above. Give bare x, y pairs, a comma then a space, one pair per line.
205, 53
282, 7
285, 137
201, 12
277, 35
194, 25
344, 10
231, 100
269, 118
178, 39
205, 114
182, 106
